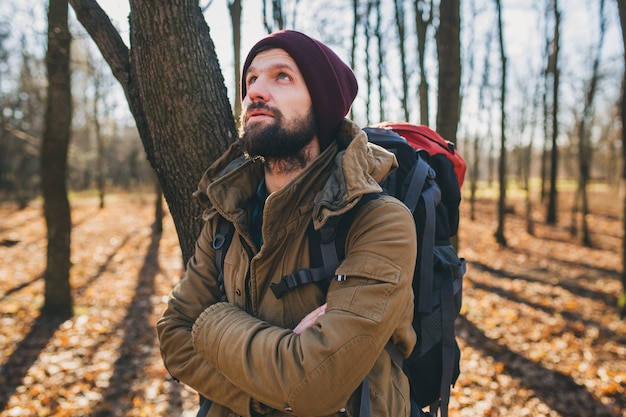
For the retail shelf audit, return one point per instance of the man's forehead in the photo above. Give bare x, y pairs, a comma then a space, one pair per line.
273, 58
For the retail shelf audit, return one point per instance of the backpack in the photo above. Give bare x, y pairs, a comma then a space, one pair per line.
428, 180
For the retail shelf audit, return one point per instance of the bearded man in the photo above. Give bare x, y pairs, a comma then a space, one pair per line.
298, 164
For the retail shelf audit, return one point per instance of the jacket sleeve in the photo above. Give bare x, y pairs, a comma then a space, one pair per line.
314, 373
190, 297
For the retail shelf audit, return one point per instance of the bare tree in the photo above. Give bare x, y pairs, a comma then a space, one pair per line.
449, 56
483, 91
96, 79
584, 148
528, 158
176, 93
381, 57
277, 21
355, 33
399, 14
56, 138
368, 61
423, 20
621, 5
21, 125
234, 7
502, 166
553, 68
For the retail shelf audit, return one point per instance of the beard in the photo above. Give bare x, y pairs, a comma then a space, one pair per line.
279, 141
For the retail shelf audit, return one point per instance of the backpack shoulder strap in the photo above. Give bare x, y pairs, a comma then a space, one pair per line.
326, 251
221, 241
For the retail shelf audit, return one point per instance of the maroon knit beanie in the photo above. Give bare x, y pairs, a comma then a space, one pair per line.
331, 83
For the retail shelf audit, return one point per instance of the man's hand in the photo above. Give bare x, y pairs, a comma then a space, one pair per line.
310, 319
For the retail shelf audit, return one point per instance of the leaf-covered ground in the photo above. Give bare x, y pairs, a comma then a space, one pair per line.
539, 331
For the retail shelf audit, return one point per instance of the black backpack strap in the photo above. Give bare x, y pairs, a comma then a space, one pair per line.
221, 241
424, 176
421, 172
298, 278
205, 405
327, 246
449, 289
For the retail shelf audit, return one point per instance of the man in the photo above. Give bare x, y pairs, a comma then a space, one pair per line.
306, 353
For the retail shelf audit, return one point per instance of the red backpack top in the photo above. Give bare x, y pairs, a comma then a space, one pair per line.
423, 137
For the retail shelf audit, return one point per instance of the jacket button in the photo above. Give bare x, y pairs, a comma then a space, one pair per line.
238, 292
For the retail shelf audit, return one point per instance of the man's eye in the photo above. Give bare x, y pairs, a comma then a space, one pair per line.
251, 80
284, 76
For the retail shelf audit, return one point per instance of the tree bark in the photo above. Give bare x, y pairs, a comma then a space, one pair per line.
399, 13
56, 137
501, 239
234, 8
621, 5
355, 27
449, 55
551, 217
585, 154
421, 28
176, 93
368, 60
381, 59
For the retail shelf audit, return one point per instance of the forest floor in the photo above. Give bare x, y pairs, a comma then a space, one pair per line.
539, 330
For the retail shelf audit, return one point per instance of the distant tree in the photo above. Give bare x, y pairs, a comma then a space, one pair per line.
369, 61
378, 33
545, 104
584, 147
56, 138
500, 237
21, 123
449, 59
176, 93
483, 93
277, 21
553, 68
354, 40
234, 7
423, 20
98, 114
400, 27
621, 4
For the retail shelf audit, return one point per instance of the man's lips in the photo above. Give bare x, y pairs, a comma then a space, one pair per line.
259, 113
257, 116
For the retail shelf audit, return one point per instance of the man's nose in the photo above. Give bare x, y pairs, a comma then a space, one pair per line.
258, 90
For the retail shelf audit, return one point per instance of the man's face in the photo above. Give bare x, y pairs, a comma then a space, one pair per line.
277, 118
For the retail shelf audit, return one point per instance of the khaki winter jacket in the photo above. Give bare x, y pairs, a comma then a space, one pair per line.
243, 355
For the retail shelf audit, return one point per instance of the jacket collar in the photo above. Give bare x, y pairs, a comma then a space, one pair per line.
349, 168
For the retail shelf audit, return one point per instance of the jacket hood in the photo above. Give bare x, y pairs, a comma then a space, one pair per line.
351, 167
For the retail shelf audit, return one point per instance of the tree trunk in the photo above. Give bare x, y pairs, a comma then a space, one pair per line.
584, 148
56, 137
551, 217
399, 13
159, 213
449, 56
100, 156
368, 60
176, 93
355, 26
381, 58
502, 177
621, 4
235, 16
421, 28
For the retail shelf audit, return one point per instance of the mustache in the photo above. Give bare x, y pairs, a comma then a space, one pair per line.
262, 106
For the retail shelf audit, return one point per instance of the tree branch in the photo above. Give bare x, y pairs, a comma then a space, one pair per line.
107, 38
26, 137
